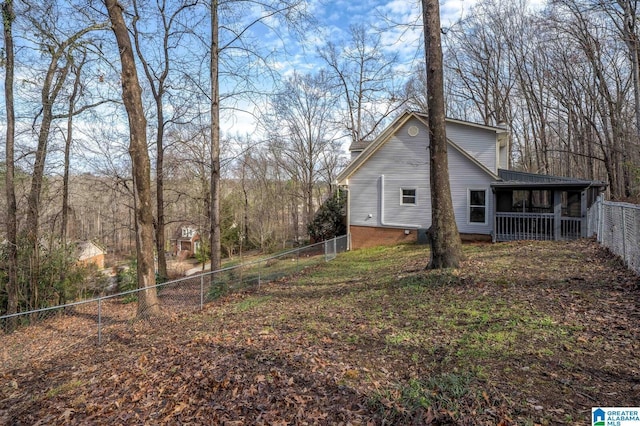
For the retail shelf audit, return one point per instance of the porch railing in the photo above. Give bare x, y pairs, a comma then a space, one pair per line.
571, 228
510, 226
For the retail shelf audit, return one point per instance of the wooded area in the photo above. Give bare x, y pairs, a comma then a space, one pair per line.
563, 78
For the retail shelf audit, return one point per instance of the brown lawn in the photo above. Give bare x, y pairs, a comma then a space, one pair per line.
524, 333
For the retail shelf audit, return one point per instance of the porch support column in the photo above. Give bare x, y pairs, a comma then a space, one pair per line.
494, 219
584, 211
557, 214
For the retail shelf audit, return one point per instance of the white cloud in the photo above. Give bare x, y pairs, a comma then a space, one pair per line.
399, 21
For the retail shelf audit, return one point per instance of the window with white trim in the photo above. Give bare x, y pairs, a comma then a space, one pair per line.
408, 197
478, 206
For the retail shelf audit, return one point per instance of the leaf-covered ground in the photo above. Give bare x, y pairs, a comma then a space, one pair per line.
524, 333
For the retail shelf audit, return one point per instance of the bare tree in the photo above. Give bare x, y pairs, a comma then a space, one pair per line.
233, 41
558, 77
478, 57
368, 82
446, 247
624, 16
77, 71
214, 206
8, 17
158, 79
605, 87
148, 303
55, 78
303, 129
268, 216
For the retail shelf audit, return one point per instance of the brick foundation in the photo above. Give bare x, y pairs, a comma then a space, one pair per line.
366, 236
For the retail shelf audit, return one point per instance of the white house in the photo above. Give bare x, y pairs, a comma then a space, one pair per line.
389, 197
185, 241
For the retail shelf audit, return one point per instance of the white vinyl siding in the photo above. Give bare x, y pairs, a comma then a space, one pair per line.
402, 162
375, 189
480, 143
462, 176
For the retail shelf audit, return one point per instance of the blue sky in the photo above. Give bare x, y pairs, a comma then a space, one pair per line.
334, 18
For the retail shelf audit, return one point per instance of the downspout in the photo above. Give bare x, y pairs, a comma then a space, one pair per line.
382, 221
348, 216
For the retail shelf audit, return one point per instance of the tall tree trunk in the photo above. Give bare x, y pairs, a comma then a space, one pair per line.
205, 185
160, 225
631, 38
157, 80
629, 33
446, 247
8, 17
67, 154
148, 303
309, 205
53, 82
214, 213
245, 206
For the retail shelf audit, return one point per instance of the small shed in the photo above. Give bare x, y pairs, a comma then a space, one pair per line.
530, 206
89, 253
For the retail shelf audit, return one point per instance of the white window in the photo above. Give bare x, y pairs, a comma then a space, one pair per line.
188, 232
408, 197
478, 206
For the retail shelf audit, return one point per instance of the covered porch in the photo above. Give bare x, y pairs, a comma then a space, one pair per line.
529, 206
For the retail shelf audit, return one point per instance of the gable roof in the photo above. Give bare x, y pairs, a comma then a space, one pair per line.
373, 146
361, 145
465, 123
88, 249
400, 121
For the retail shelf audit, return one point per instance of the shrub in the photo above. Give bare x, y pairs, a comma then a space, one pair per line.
329, 221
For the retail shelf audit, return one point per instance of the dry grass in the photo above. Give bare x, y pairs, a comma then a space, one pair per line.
523, 333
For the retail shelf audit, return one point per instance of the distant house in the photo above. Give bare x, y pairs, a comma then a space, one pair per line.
90, 253
389, 198
186, 241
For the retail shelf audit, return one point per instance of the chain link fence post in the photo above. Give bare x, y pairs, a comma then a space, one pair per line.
99, 321
326, 251
624, 236
201, 291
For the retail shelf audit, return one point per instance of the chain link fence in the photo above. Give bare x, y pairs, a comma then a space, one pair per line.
617, 227
44, 333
